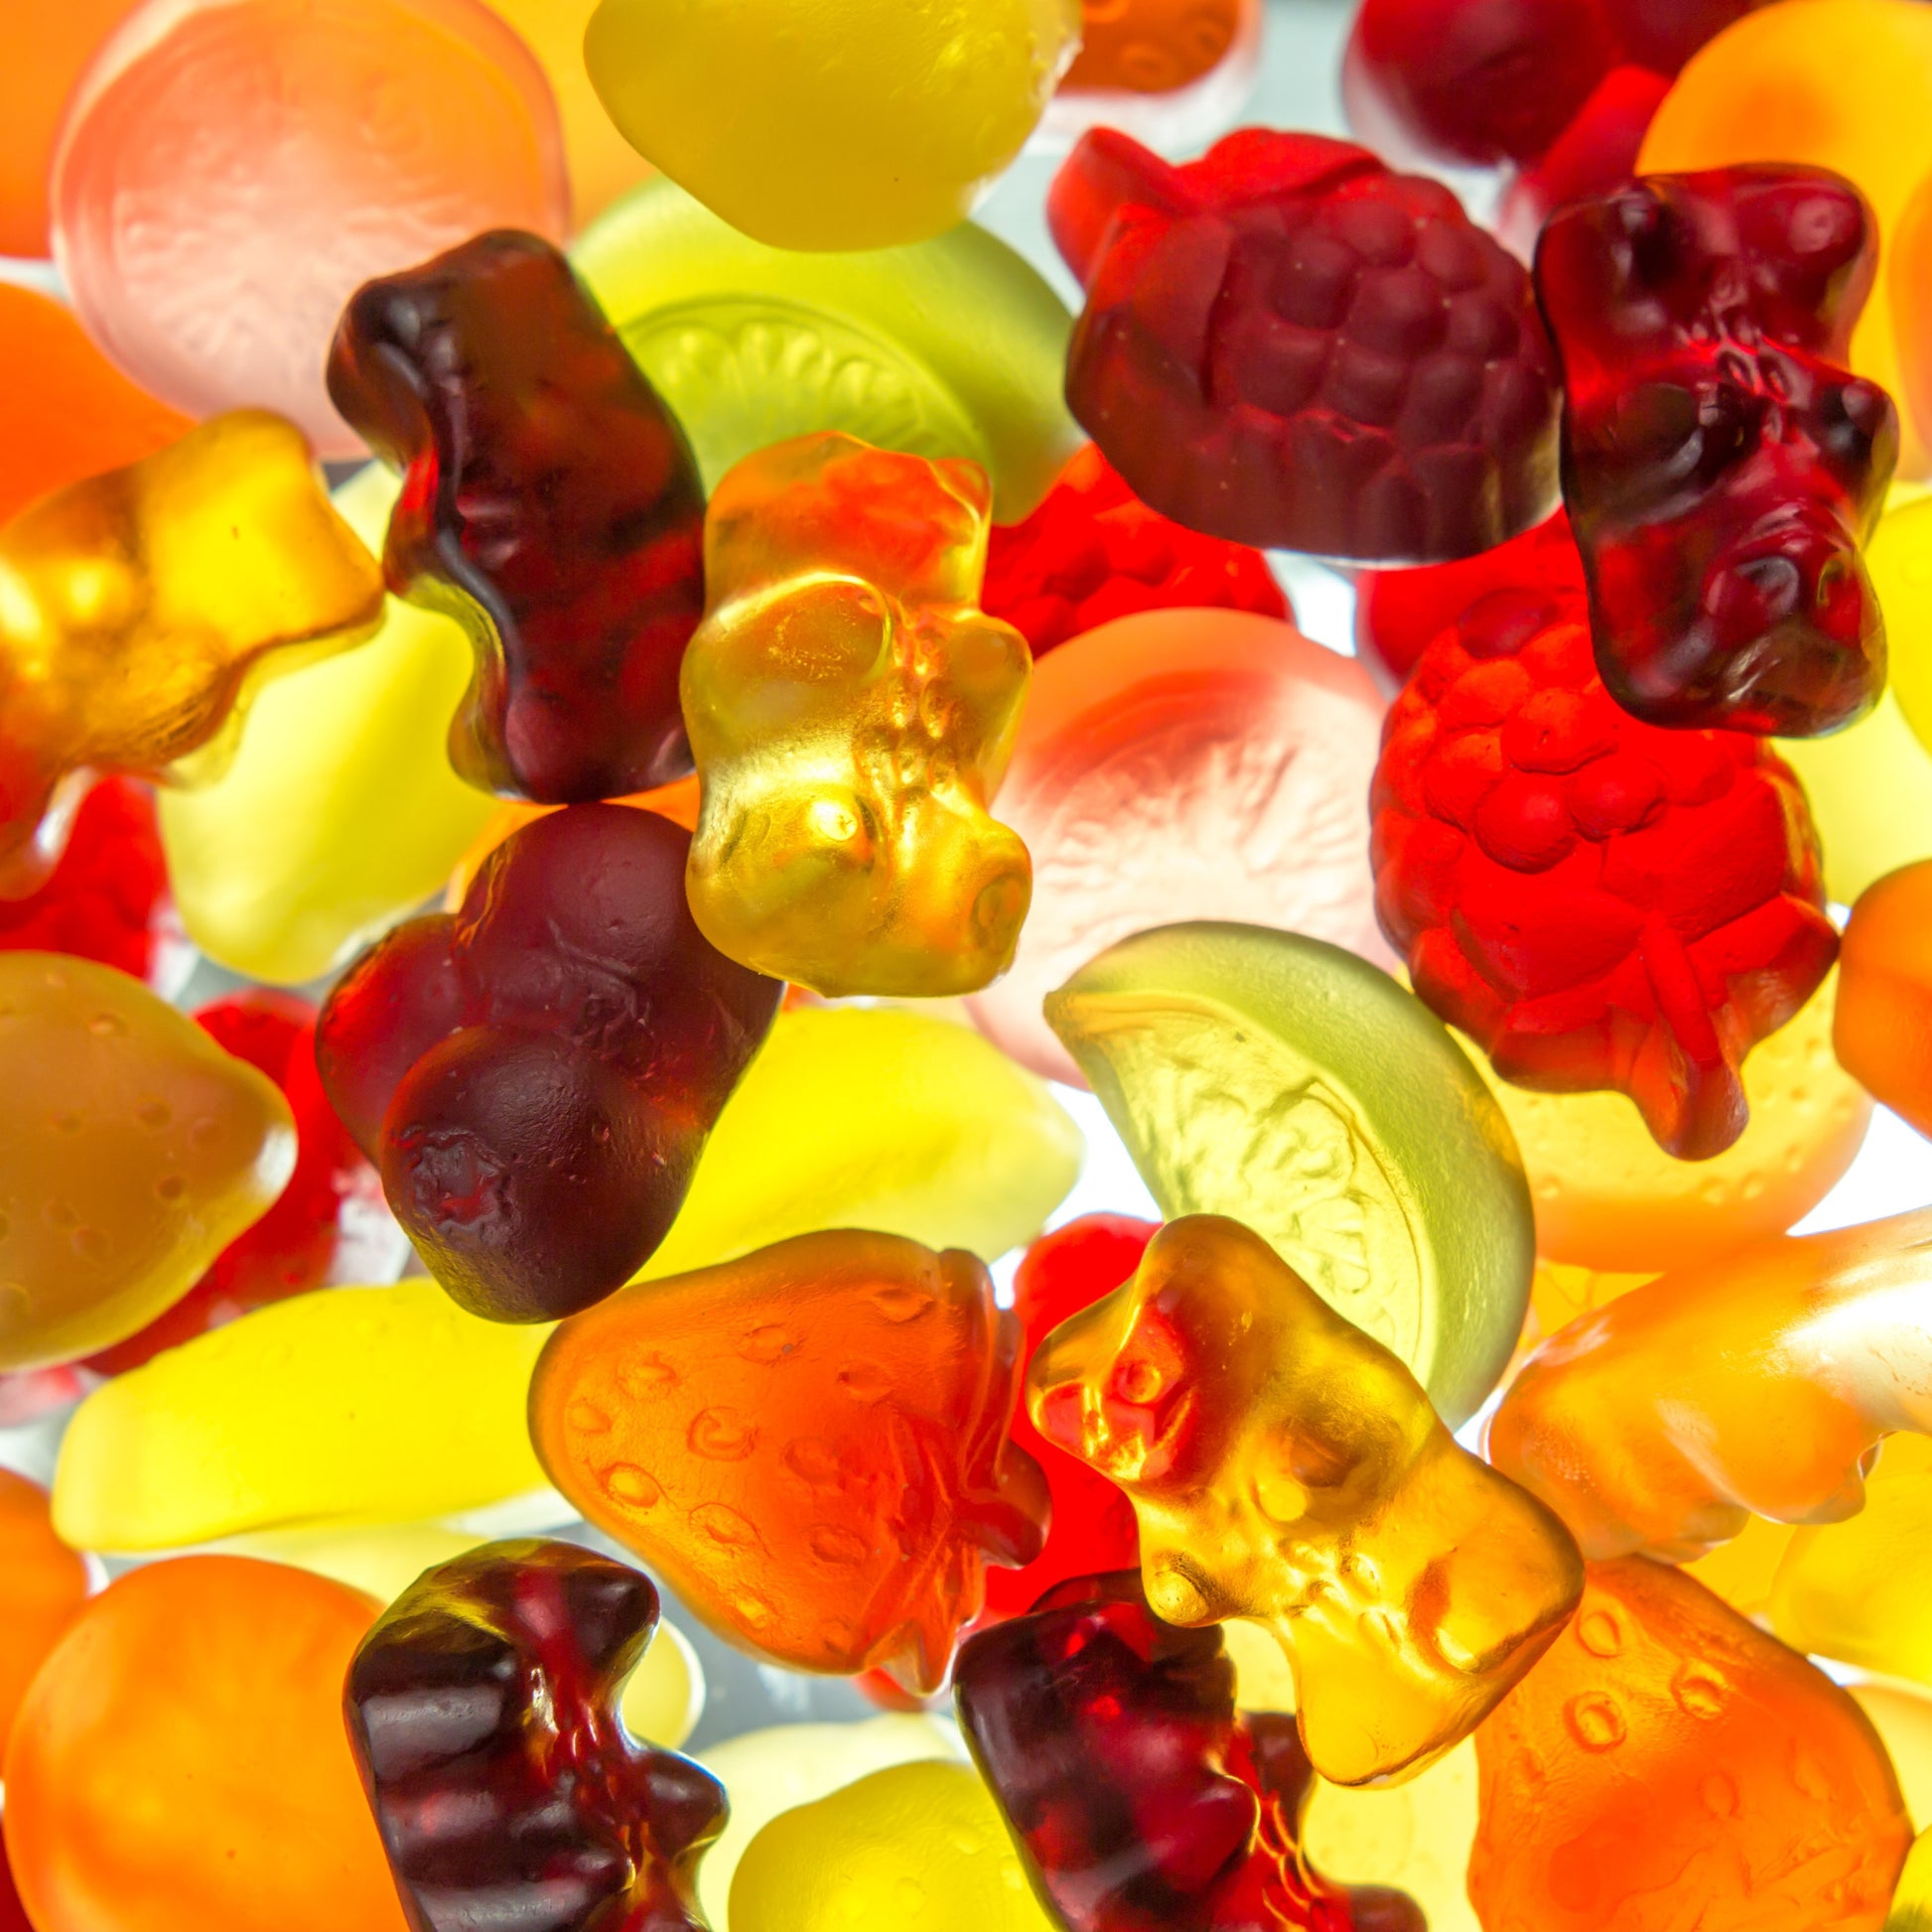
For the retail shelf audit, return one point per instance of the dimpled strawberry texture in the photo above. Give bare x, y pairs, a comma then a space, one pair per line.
1599, 902
1287, 345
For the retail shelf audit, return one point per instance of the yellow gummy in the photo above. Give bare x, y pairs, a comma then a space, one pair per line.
1902, 1715
663, 1697
841, 124
1911, 1900
340, 813
1415, 1837
920, 1847
1899, 560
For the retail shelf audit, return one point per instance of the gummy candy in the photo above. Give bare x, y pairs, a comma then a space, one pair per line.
1092, 552
1287, 345
851, 712
43, 1586
180, 1762
550, 504
1412, 1838
918, 1846
1286, 1468
535, 1076
314, 1410
132, 1152
1090, 1528
1870, 789
949, 348
1599, 902
1286, 1083
1183, 764
850, 126
1911, 1904
1175, 73
78, 415
143, 605
1720, 467
1908, 261
808, 1444
1901, 561
287, 152
1667, 1758
340, 814
1761, 1382
1091, 1720
533, 1806
103, 899
1882, 1033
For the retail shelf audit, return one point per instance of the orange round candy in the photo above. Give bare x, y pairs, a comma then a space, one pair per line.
1883, 1032
42, 1584
180, 1763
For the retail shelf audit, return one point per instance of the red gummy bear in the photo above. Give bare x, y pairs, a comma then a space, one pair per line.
1092, 1527
536, 1074
1092, 551
1287, 345
105, 897
1596, 902
1720, 465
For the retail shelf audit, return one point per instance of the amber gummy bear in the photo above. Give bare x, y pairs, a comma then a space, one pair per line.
138, 607
1882, 1029
852, 712
809, 1444
1667, 1764
1286, 1468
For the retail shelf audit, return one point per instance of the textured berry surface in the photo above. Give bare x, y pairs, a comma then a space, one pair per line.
1287, 345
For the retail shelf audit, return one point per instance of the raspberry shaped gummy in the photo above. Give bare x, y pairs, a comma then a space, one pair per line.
1596, 902
1720, 463
1287, 345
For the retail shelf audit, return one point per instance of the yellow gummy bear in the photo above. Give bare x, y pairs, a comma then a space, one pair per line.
918, 1847
848, 125
851, 712
1284, 1467
340, 814
1415, 1837
1911, 1899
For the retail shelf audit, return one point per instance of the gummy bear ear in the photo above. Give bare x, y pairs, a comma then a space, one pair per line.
1106, 173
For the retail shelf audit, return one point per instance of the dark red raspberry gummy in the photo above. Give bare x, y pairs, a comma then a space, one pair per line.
482, 1713
1598, 902
1720, 465
105, 896
1286, 345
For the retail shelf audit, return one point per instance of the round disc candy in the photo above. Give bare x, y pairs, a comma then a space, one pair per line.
231, 171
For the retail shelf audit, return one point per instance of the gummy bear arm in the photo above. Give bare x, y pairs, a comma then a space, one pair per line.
1106, 173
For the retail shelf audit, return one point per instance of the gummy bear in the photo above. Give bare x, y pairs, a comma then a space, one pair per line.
532, 1806
180, 1762
1173, 72
535, 1075
103, 899
1286, 1468
850, 126
1090, 1528
1719, 466
1884, 1028
1287, 345
550, 503
142, 605
851, 714
1092, 551
1763, 1382
42, 1585
808, 1444
1669, 1764
132, 1152
1598, 902
1091, 1720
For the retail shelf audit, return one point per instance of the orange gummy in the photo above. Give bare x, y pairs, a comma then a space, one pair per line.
42, 1584
1151, 47
1883, 1030
181, 1765
1669, 1766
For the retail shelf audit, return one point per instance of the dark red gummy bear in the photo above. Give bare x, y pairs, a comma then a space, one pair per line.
1720, 465
535, 1074
291, 1248
1139, 1801
1287, 345
1092, 551
550, 502
1596, 902
104, 898
1092, 1526
483, 1711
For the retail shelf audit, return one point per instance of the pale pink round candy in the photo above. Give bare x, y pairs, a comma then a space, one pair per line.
1185, 764
229, 172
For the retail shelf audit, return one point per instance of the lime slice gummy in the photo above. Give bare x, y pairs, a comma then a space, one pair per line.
1295, 1088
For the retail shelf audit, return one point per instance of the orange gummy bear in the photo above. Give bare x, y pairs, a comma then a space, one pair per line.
1882, 1031
138, 608
1151, 47
1286, 1468
808, 1444
43, 1583
1668, 1765
1763, 1382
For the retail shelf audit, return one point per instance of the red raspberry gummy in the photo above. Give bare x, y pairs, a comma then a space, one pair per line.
104, 897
